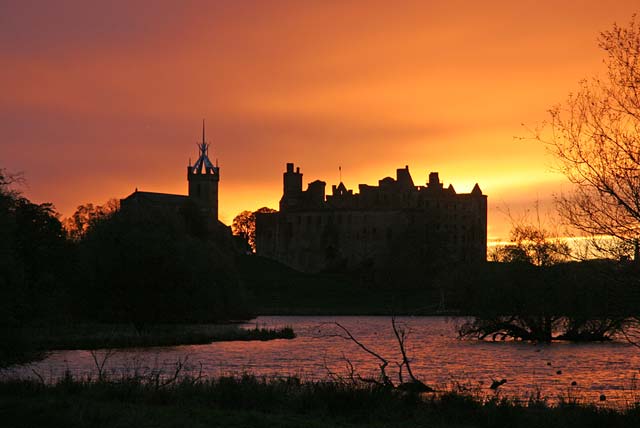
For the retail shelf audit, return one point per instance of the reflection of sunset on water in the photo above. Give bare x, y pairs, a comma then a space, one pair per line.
437, 357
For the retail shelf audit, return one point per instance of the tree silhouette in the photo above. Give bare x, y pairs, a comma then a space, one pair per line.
142, 265
595, 139
535, 294
34, 257
532, 242
244, 225
87, 215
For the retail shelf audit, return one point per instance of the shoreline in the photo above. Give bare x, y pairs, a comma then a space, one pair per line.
29, 344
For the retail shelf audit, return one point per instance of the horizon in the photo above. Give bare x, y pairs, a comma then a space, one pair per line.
101, 99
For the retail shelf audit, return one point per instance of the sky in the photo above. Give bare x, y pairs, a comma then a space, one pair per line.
100, 98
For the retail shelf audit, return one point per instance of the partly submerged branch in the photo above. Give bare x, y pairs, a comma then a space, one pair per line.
401, 333
346, 334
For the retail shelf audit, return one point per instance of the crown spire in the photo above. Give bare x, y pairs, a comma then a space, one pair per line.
203, 163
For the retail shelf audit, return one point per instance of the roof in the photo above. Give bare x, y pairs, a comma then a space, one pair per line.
341, 188
157, 198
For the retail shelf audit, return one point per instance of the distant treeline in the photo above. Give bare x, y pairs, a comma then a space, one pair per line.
140, 266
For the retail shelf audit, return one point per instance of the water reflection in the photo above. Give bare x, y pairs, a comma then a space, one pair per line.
437, 357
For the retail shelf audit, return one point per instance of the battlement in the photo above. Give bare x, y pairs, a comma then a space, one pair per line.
314, 231
390, 193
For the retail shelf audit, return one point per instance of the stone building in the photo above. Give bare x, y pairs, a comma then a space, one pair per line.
203, 178
392, 222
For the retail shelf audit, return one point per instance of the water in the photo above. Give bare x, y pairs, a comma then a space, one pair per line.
437, 357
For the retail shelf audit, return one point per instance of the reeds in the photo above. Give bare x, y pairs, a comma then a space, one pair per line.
257, 401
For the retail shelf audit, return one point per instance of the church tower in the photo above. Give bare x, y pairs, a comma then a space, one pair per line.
203, 180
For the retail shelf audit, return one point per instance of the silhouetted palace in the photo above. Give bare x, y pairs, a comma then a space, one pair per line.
387, 224
203, 178
312, 232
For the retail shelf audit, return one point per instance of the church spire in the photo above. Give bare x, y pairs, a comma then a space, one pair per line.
203, 178
203, 163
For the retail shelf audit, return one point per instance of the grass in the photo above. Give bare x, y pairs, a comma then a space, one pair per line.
275, 289
249, 401
26, 344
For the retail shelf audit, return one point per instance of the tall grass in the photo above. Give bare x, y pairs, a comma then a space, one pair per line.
255, 401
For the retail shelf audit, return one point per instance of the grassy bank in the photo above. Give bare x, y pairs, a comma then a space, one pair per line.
28, 343
253, 402
275, 289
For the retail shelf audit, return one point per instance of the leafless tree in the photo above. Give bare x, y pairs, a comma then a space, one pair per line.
532, 242
160, 379
100, 360
8, 179
596, 141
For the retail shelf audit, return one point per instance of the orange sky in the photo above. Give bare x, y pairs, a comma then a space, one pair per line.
98, 98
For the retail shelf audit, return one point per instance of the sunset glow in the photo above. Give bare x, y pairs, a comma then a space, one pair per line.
101, 98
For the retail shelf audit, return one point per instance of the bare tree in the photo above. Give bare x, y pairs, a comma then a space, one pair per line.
532, 242
7, 179
596, 141
100, 361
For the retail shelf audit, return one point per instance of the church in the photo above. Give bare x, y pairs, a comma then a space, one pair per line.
203, 178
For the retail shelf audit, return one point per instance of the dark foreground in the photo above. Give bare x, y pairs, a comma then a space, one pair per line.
252, 402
